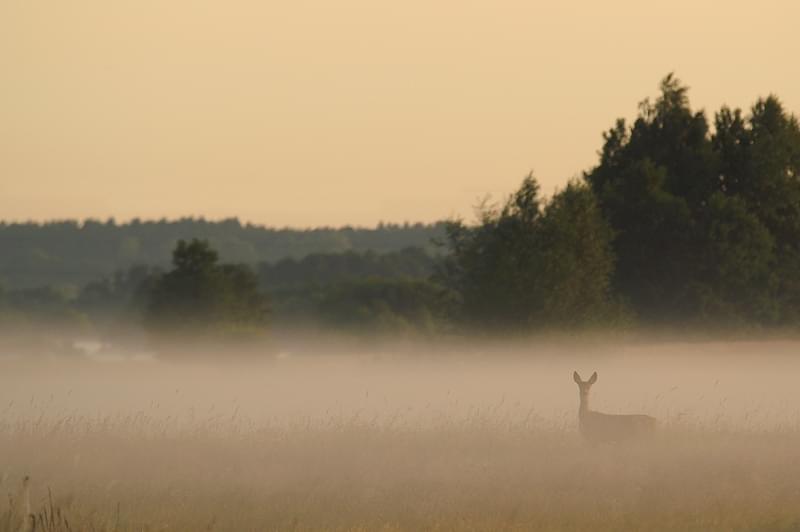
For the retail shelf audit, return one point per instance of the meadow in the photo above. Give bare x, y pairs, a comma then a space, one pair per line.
479, 440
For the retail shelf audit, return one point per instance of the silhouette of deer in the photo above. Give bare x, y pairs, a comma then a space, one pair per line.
597, 427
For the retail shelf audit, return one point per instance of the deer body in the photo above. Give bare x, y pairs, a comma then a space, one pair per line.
597, 427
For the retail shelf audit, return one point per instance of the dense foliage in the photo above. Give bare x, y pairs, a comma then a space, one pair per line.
534, 264
707, 223
387, 306
200, 296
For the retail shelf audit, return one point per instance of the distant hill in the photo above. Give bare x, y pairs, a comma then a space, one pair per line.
73, 253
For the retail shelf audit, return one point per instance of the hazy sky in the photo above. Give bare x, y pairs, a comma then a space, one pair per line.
310, 112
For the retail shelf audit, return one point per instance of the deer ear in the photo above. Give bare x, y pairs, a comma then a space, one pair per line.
593, 378
576, 377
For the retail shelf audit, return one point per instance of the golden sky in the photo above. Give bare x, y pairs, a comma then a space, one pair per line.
332, 112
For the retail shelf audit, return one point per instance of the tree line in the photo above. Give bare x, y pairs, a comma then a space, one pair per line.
69, 254
683, 221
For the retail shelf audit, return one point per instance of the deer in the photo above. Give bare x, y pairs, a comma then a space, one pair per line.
597, 427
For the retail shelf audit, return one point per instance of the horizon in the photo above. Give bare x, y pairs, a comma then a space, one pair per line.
81, 222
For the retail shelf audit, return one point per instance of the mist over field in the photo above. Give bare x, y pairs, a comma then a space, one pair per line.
406, 437
738, 384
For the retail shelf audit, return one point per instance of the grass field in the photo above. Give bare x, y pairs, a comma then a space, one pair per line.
411, 445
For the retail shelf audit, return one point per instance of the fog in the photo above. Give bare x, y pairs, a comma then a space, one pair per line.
744, 385
473, 436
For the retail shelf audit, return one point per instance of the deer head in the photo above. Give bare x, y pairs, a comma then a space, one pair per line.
584, 386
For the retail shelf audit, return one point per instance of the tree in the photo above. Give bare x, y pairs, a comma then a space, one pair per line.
760, 157
736, 280
576, 264
707, 225
200, 297
651, 181
531, 264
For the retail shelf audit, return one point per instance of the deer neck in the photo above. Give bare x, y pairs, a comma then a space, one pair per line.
583, 409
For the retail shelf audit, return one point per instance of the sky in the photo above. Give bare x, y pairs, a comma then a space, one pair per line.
304, 113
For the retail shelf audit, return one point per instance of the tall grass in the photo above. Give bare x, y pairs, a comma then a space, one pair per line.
481, 473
